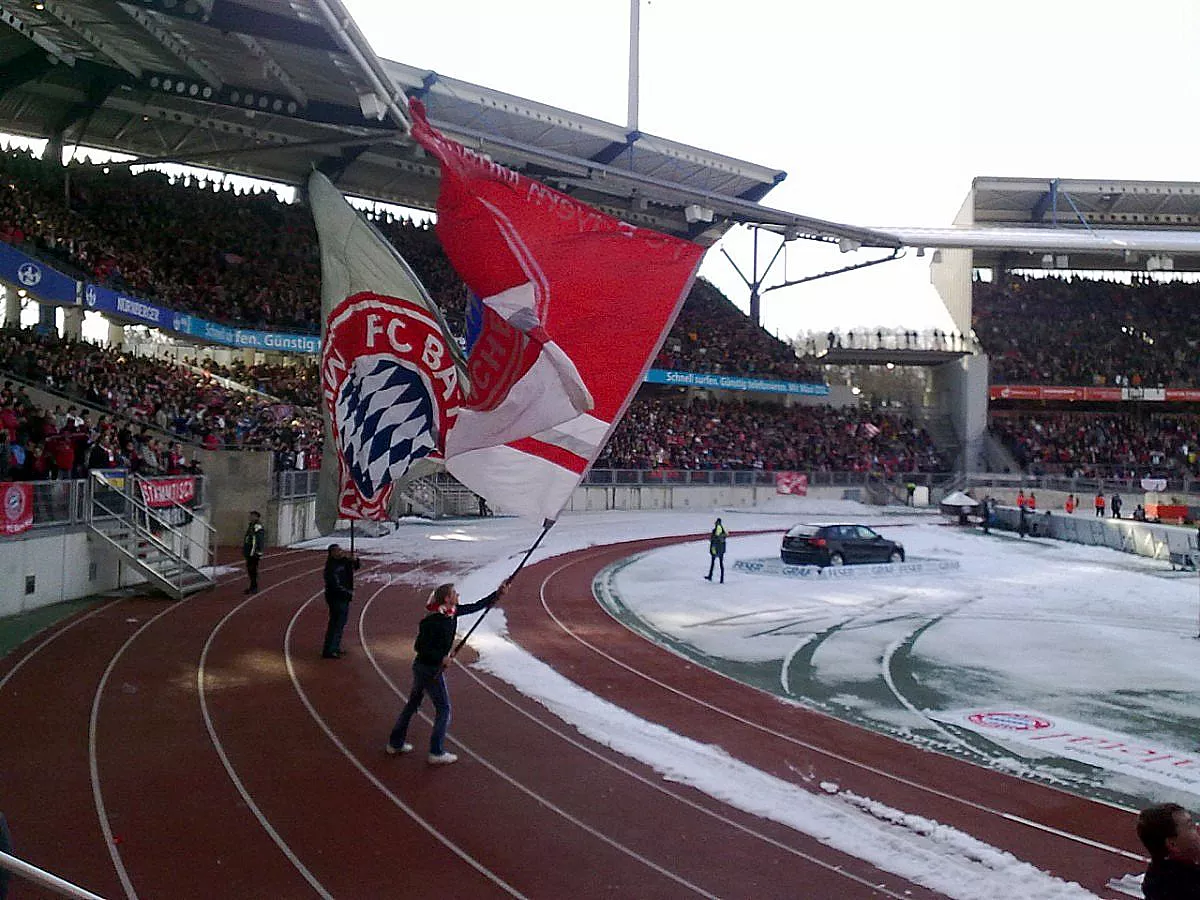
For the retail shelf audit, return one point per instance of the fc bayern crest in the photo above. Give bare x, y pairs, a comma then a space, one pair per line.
391, 389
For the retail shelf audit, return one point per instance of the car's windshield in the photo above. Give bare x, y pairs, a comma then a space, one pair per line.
802, 531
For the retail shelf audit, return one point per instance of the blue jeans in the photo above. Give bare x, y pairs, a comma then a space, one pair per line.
432, 680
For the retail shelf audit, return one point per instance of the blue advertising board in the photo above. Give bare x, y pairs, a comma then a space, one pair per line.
100, 299
735, 383
46, 284
97, 298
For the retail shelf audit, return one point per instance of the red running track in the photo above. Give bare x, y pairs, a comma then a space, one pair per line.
202, 749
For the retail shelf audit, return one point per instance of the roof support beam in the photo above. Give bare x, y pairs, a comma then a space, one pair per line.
173, 46
272, 68
616, 148
64, 15
32, 34
234, 18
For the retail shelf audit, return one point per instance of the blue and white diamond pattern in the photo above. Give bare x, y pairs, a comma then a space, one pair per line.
385, 421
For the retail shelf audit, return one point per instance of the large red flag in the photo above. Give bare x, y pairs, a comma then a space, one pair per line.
570, 307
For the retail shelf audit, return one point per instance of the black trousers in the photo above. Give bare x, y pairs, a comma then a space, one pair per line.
339, 612
252, 570
716, 558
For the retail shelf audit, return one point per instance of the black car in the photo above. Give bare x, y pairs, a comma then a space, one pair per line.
836, 545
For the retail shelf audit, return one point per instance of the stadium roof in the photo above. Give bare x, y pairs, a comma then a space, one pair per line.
1074, 224
270, 89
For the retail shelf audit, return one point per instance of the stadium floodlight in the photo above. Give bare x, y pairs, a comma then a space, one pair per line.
697, 213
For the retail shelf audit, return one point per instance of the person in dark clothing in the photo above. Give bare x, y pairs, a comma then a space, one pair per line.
716, 550
1023, 521
1115, 506
1170, 836
435, 640
339, 591
253, 544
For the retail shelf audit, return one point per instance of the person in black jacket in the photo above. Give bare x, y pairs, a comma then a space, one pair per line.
339, 591
435, 640
716, 550
1169, 834
253, 545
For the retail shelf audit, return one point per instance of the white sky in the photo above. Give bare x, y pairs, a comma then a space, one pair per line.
880, 112
1066, 607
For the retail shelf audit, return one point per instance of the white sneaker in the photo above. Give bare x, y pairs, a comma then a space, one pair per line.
442, 759
403, 748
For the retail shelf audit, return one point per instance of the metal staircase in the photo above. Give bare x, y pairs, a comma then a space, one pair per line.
169, 556
438, 496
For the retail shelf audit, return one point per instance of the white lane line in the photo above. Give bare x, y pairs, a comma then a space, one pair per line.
529, 792
93, 765
224, 757
367, 773
758, 726
679, 797
51, 639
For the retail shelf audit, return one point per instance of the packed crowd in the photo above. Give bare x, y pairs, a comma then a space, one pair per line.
668, 433
37, 444
176, 400
712, 335
237, 258
1082, 331
1102, 444
252, 261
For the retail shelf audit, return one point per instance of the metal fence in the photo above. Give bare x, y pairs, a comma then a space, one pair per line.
296, 485
65, 502
293, 485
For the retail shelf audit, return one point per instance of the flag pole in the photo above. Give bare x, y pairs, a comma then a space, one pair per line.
546, 526
351, 537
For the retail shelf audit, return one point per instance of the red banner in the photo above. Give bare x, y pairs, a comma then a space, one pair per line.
163, 492
791, 483
17, 512
1072, 392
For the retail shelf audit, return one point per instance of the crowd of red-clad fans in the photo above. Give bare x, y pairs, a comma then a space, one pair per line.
250, 260
1103, 444
145, 395
1080, 331
670, 433
712, 335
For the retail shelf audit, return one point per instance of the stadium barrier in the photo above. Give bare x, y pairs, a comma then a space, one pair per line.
1174, 543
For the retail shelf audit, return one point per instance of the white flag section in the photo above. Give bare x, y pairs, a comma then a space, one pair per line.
548, 393
390, 378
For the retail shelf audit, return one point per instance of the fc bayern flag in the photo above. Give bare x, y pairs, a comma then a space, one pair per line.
572, 305
390, 372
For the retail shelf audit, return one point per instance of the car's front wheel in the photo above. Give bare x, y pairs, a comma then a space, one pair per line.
837, 560
896, 557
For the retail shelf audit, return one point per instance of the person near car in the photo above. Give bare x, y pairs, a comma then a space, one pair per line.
716, 550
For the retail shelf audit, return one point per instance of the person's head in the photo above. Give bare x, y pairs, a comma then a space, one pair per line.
1168, 832
335, 551
444, 599
718, 521
254, 516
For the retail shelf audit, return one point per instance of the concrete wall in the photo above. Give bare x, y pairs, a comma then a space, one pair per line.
1165, 542
237, 483
960, 391
66, 563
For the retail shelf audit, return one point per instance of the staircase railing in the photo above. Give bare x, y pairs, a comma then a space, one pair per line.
121, 504
44, 879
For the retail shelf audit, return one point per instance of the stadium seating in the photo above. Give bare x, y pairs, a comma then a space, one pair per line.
668, 433
1081, 331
